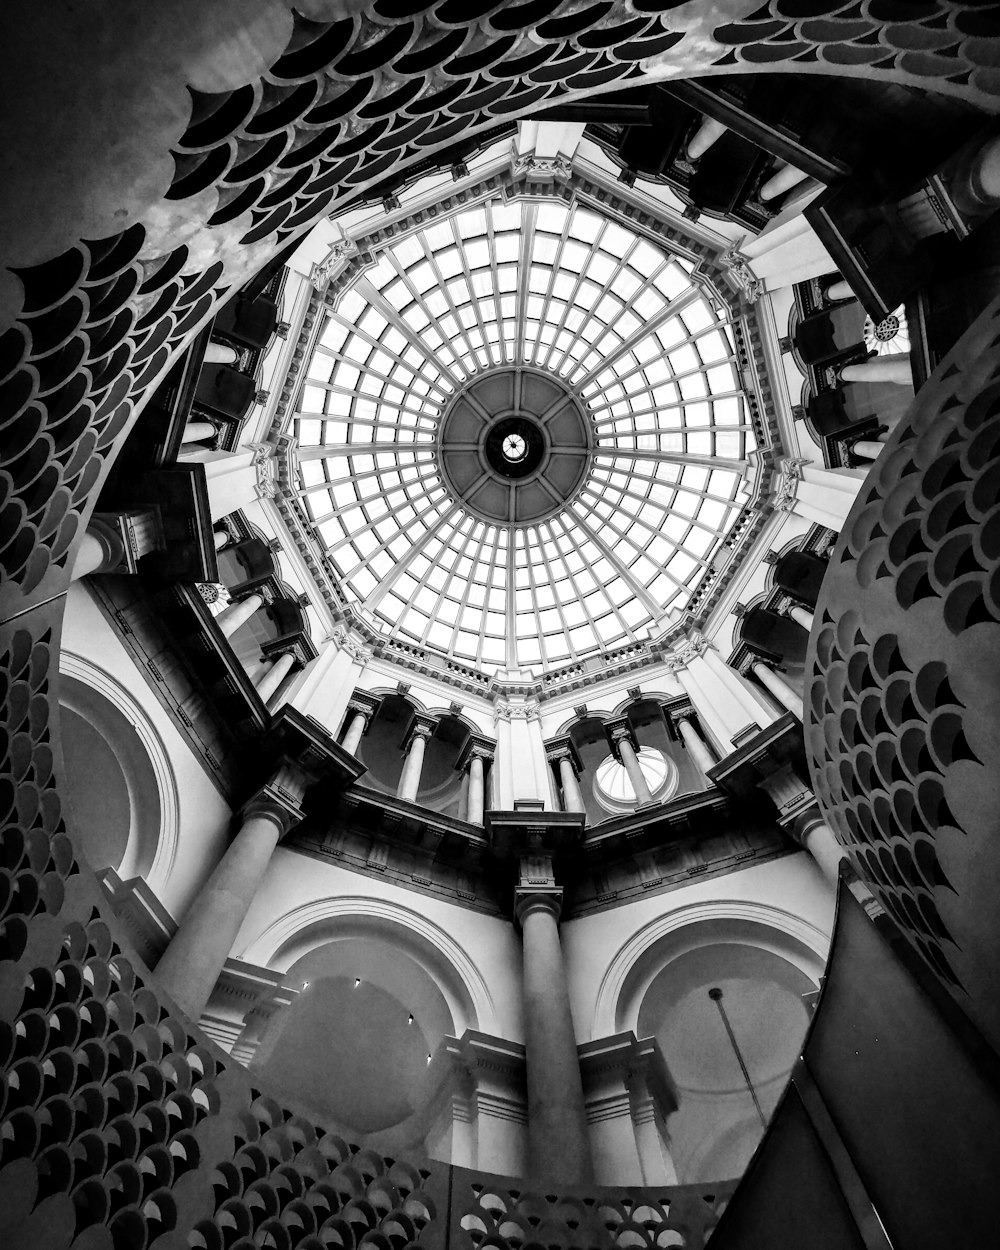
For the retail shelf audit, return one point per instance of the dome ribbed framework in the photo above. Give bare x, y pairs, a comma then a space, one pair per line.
522, 436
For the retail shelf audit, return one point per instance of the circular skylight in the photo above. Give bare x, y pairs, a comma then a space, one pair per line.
547, 326
613, 786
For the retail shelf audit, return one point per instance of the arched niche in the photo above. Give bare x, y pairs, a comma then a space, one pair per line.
800, 574
382, 752
120, 785
304, 929
347, 1047
777, 639
645, 715
355, 1044
767, 964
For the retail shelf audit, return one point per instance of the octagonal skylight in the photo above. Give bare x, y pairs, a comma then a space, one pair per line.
638, 358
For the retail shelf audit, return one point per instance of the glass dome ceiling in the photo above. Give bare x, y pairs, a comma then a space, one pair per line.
522, 436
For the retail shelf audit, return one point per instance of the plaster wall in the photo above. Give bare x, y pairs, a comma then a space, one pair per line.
433, 696
300, 893
202, 814
789, 894
606, 699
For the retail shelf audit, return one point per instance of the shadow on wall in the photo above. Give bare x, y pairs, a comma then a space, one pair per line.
354, 1047
110, 784
717, 1125
382, 753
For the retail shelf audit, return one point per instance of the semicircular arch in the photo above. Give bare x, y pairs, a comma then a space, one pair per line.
312, 925
646, 953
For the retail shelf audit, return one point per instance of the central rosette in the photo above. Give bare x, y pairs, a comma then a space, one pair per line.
515, 445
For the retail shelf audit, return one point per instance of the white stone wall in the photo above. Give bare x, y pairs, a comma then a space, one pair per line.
202, 819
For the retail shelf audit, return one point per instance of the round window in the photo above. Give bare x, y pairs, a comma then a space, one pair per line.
613, 787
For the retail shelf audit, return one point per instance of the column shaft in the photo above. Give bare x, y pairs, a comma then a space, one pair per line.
220, 354
192, 962
802, 615
780, 181
819, 840
474, 811
196, 432
881, 369
635, 773
572, 795
89, 557
409, 781
709, 132
237, 614
700, 753
868, 448
355, 732
781, 690
841, 289
275, 675
558, 1139
221, 539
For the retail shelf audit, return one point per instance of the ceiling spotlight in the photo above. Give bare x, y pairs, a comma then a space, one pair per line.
357, 982
305, 985
410, 1021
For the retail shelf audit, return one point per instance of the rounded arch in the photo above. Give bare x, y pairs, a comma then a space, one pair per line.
445, 713
393, 692
111, 711
645, 696
639, 959
312, 925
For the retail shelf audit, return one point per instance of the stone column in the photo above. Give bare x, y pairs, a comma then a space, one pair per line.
801, 615
841, 289
100, 550
708, 133
356, 729
220, 354
221, 539
560, 753
693, 740
191, 964
780, 181
476, 803
868, 448
572, 793
816, 836
777, 685
415, 744
558, 1138
800, 816
268, 685
238, 614
197, 432
895, 368
622, 743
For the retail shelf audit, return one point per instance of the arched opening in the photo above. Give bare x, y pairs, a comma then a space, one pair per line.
768, 968
355, 1045
384, 746
111, 784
